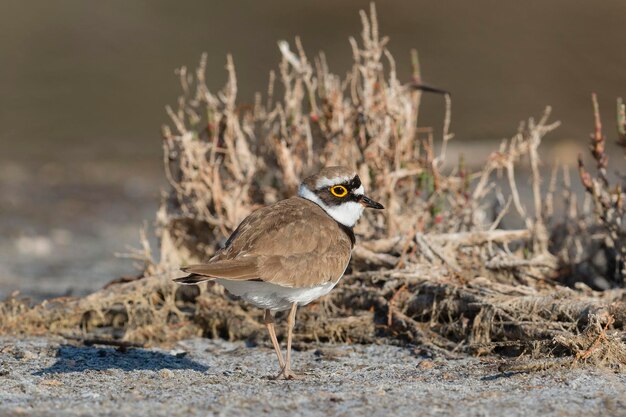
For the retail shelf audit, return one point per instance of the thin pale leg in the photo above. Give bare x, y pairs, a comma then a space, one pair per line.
268, 319
291, 321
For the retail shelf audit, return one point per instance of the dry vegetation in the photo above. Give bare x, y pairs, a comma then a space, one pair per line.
434, 269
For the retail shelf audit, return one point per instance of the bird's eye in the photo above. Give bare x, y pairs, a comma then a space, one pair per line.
339, 191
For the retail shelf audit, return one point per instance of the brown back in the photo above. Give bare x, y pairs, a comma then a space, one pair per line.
292, 243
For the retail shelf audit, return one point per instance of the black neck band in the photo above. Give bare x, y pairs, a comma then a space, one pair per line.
348, 231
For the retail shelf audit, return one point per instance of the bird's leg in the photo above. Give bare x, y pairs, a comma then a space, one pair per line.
268, 319
291, 321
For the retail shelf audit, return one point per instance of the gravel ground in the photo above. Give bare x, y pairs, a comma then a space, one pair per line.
202, 377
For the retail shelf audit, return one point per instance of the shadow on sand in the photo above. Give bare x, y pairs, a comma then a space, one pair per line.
83, 358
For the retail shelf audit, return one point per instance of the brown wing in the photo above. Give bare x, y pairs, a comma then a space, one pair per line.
229, 268
291, 240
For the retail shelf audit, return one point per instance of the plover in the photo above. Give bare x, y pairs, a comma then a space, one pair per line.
292, 252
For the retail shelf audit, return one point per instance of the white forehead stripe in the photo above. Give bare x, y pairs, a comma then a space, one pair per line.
359, 191
347, 213
327, 182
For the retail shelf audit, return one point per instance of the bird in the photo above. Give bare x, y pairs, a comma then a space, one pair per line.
290, 253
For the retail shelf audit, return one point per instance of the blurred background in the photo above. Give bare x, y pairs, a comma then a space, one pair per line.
83, 87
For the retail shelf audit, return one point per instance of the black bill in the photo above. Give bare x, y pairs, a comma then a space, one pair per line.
368, 202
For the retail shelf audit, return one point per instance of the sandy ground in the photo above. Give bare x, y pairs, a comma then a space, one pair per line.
201, 377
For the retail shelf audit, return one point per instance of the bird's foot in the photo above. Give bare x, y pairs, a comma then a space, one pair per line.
288, 374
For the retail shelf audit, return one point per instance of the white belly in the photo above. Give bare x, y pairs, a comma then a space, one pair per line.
274, 297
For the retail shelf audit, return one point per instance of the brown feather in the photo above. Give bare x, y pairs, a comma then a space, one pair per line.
292, 243
244, 268
192, 279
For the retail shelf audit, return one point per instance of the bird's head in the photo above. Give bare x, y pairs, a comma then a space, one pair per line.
338, 190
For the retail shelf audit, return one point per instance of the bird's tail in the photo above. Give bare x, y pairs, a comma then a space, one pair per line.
192, 279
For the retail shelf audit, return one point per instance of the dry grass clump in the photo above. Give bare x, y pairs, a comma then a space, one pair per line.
607, 198
589, 236
224, 160
435, 268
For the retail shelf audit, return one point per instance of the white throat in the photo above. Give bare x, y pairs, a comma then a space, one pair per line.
347, 213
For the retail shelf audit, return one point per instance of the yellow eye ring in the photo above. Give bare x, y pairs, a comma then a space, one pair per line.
339, 191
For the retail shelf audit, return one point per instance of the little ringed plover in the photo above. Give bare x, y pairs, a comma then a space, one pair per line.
292, 252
